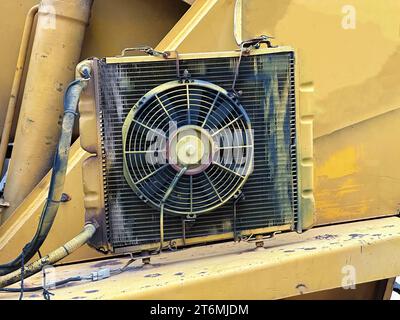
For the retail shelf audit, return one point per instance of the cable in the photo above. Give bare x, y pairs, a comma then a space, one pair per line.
22, 275
396, 287
39, 288
66, 281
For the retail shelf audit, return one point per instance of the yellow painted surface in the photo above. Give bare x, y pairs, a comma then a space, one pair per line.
288, 265
352, 81
114, 25
339, 164
357, 170
120, 24
55, 53
12, 19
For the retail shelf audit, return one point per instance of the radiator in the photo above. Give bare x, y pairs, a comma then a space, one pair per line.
269, 199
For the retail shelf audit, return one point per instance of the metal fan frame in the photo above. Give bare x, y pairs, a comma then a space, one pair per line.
142, 103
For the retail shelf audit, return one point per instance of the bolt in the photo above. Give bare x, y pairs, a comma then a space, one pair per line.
85, 71
259, 241
65, 198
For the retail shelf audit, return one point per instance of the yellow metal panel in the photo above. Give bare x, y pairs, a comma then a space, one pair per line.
348, 78
114, 25
288, 265
357, 170
55, 52
12, 19
120, 24
375, 290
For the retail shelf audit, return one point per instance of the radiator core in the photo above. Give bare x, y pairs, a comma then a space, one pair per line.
267, 85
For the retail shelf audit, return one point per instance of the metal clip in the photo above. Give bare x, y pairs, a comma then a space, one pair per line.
3, 203
256, 42
146, 49
245, 48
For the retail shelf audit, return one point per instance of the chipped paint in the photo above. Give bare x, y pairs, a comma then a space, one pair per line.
326, 237
153, 275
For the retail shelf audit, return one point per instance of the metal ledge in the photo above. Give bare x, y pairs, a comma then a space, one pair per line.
289, 264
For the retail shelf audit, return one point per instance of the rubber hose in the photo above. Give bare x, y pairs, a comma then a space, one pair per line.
51, 258
71, 100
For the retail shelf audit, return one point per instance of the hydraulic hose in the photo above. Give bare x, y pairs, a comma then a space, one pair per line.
71, 100
51, 258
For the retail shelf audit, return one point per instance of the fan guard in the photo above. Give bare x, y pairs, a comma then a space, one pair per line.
188, 147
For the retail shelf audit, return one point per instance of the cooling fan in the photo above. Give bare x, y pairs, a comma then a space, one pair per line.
188, 147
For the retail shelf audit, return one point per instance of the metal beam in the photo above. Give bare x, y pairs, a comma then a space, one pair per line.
288, 265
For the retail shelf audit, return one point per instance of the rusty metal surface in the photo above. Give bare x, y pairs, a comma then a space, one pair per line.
288, 265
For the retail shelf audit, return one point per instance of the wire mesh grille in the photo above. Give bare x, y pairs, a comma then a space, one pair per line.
267, 84
207, 118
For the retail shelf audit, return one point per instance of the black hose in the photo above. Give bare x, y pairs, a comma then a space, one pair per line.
34, 289
71, 100
396, 287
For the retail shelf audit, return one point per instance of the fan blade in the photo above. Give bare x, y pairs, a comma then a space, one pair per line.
173, 184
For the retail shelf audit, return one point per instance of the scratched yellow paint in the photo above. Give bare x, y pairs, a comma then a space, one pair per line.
339, 164
338, 170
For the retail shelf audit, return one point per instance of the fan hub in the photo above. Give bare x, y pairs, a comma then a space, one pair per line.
191, 147
189, 150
